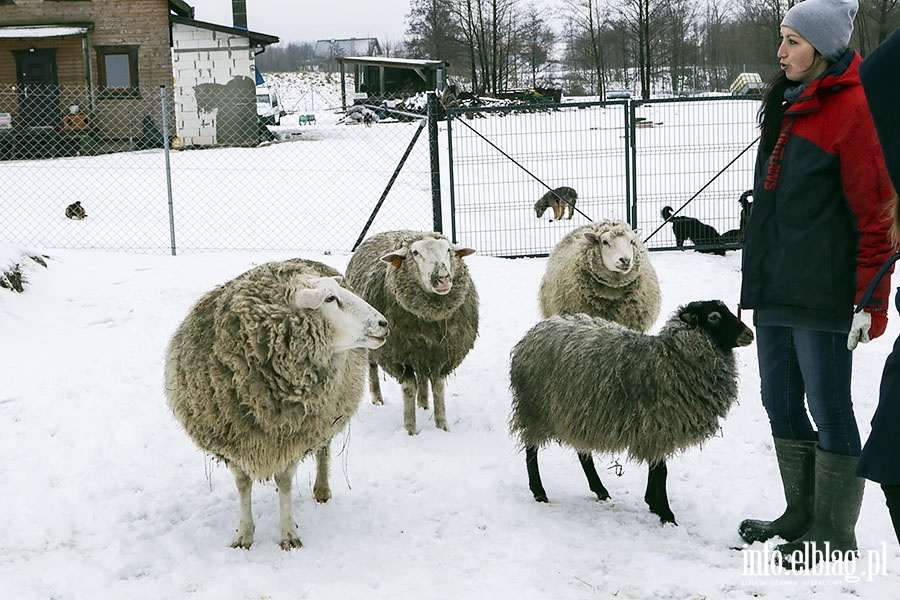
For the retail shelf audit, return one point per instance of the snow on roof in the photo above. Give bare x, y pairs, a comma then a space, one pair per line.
41, 31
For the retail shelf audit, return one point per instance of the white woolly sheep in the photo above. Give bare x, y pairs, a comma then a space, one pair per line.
265, 370
421, 284
613, 389
602, 270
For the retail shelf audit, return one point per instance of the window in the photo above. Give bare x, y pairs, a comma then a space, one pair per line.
117, 69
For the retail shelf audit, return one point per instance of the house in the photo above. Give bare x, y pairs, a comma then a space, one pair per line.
77, 69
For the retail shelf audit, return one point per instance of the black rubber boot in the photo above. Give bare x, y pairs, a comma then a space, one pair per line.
797, 465
839, 494
892, 499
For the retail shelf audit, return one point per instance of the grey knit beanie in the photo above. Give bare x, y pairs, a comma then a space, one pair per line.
826, 24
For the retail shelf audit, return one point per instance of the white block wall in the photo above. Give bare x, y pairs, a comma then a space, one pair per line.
204, 56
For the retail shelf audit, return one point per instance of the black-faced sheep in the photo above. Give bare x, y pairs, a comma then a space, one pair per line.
421, 284
265, 370
613, 389
705, 237
559, 200
602, 270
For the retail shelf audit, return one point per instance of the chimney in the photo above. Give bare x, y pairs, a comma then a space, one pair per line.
239, 12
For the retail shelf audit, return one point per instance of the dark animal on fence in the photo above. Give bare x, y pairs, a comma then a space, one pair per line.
558, 200
736, 236
75, 211
705, 238
616, 389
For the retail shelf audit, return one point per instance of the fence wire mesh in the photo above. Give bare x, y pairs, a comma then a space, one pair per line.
309, 183
313, 181
625, 160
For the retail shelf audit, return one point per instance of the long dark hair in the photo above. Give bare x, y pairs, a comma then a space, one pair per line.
771, 113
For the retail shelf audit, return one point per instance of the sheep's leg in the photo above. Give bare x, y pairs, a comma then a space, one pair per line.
408, 386
534, 474
656, 497
246, 528
290, 537
587, 463
440, 409
321, 489
375, 385
422, 391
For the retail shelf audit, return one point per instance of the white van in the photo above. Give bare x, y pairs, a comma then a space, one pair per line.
267, 106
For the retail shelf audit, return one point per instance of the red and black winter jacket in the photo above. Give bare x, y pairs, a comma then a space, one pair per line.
819, 228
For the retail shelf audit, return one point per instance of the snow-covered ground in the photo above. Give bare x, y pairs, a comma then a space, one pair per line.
104, 496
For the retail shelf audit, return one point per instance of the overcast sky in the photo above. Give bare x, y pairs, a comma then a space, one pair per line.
308, 21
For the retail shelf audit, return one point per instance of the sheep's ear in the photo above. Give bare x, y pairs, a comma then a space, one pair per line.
338, 278
689, 317
592, 237
463, 252
310, 297
395, 258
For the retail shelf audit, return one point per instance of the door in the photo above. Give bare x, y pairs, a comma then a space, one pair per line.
38, 88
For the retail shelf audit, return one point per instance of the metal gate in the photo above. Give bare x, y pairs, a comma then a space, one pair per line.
626, 160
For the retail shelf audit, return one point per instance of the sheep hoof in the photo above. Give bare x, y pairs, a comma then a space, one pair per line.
377, 401
322, 496
666, 517
239, 542
442, 426
290, 543
541, 498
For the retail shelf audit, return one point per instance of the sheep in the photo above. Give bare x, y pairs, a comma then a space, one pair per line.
421, 284
265, 370
602, 269
612, 389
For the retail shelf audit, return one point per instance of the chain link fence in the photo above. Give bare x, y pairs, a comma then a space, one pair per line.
171, 171
209, 176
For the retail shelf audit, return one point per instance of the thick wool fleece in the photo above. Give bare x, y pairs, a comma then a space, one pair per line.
252, 379
612, 389
577, 281
430, 333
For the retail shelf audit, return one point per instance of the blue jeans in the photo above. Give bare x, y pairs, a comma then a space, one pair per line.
794, 363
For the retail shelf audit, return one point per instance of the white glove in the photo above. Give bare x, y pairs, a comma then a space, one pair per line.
859, 329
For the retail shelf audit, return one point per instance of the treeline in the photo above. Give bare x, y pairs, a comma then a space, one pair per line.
589, 46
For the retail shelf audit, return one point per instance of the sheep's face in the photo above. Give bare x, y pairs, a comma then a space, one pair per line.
433, 258
354, 322
713, 317
618, 249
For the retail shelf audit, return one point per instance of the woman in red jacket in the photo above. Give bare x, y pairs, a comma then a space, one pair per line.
817, 234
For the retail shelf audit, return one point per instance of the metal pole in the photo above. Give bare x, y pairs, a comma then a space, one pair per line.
435, 162
165, 128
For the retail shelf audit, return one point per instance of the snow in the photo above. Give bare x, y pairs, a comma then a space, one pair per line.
104, 496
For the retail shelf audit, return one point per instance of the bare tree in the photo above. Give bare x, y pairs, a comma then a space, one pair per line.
536, 38
875, 22
589, 18
433, 32
487, 29
647, 25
